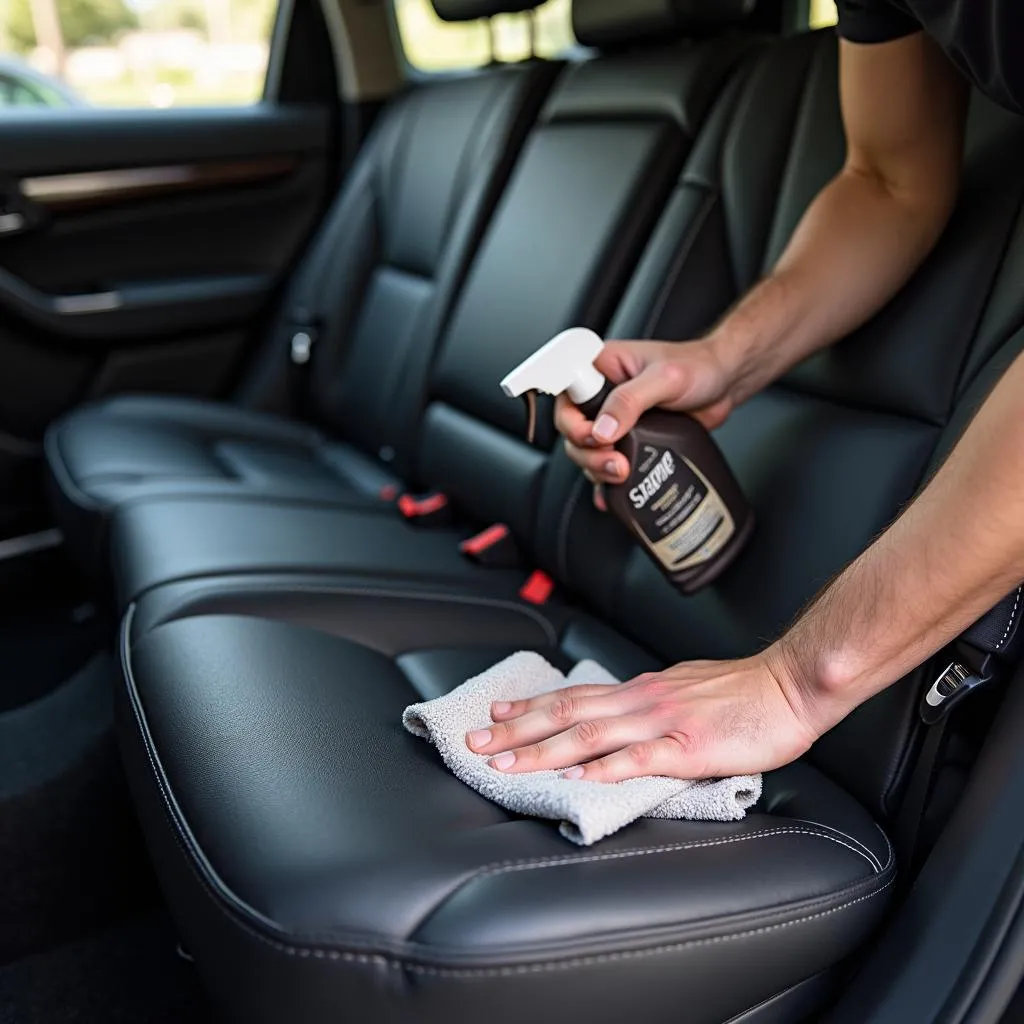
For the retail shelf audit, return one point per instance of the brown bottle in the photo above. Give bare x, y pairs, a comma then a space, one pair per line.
680, 499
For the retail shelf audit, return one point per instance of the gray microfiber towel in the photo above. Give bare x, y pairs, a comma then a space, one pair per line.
587, 811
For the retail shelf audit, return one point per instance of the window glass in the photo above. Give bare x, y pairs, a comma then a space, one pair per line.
135, 53
823, 12
431, 44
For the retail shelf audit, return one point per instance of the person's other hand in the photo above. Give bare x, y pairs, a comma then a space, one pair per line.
697, 720
686, 377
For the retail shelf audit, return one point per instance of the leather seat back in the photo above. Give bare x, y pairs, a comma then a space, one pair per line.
593, 178
376, 285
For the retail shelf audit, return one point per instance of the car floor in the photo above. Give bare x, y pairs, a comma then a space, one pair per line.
84, 935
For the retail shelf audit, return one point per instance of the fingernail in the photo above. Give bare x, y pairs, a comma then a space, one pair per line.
480, 738
503, 761
611, 467
500, 707
573, 773
605, 426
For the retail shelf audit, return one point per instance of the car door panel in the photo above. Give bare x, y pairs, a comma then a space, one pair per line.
141, 251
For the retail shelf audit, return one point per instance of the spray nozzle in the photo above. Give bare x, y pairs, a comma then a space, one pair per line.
565, 363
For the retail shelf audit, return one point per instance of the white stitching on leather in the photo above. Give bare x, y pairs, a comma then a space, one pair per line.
560, 965
1013, 615
868, 852
569, 860
426, 595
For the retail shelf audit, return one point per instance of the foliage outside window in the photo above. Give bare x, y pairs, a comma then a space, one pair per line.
148, 53
431, 44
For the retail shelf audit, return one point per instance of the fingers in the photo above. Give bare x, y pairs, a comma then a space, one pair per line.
656, 383
588, 739
504, 710
600, 465
572, 424
675, 757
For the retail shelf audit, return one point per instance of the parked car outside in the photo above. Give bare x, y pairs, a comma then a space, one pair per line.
22, 86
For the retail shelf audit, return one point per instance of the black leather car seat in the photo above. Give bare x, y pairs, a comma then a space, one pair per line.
389, 264
381, 273
322, 863
613, 148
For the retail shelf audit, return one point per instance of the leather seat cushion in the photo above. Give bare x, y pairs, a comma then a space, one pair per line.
322, 863
133, 447
194, 537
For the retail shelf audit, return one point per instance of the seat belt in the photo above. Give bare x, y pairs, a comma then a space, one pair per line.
983, 653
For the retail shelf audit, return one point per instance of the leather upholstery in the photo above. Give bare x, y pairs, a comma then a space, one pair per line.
609, 23
388, 260
320, 862
319, 857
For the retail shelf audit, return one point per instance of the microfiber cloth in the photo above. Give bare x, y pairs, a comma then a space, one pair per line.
587, 811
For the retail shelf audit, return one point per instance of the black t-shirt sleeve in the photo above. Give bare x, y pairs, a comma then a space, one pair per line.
874, 21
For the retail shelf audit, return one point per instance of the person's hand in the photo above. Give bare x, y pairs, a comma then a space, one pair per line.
697, 720
687, 377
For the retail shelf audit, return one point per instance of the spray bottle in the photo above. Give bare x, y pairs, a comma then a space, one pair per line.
680, 498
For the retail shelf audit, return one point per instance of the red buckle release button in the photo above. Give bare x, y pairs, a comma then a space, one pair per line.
537, 589
415, 508
484, 539
388, 492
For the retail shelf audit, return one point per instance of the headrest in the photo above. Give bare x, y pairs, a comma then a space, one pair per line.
609, 23
472, 10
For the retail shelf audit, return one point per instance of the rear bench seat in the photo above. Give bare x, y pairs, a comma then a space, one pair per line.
613, 145
322, 864
379, 282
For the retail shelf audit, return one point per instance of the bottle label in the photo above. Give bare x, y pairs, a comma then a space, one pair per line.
676, 511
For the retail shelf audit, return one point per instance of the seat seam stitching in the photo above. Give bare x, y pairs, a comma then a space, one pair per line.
853, 839
396, 963
569, 860
1013, 614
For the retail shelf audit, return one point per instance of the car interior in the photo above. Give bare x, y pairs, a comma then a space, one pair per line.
249, 416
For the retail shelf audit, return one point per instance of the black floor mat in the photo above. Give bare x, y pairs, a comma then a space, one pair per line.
42, 648
71, 857
126, 975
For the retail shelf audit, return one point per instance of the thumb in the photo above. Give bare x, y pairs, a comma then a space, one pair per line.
660, 382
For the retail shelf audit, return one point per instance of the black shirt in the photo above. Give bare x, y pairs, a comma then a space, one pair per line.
984, 38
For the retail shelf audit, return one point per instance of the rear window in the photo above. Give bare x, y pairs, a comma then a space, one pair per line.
431, 44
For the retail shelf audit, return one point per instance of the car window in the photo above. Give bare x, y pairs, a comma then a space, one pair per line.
134, 53
823, 13
431, 44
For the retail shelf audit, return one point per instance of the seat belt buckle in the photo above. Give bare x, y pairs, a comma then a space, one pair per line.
968, 670
425, 509
494, 546
537, 588
301, 345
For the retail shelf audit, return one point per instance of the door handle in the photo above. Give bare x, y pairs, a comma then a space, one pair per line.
12, 222
17, 213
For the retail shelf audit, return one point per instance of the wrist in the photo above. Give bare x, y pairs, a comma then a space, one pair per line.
821, 688
739, 355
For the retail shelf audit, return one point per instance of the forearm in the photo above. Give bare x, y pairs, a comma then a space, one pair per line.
953, 554
855, 247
